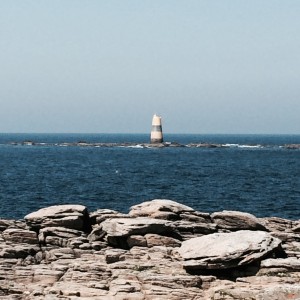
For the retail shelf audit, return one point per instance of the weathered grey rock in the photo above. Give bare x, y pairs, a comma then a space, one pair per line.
46, 275
97, 234
118, 230
159, 240
292, 249
274, 224
68, 216
4, 224
278, 291
18, 251
162, 286
227, 250
136, 240
286, 237
290, 264
196, 217
125, 284
17, 235
58, 236
58, 253
296, 227
101, 215
235, 220
155, 207
114, 255
188, 230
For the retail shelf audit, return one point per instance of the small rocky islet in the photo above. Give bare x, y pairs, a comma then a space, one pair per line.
153, 145
161, 249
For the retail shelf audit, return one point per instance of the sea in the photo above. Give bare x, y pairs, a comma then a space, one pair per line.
257, 174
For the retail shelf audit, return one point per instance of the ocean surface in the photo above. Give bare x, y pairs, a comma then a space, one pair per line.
251, 173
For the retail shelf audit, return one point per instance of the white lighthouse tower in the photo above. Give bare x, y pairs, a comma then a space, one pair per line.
156, 131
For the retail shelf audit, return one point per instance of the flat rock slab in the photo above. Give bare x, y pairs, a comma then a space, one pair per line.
68, 216
290, 263
18, 235
227, 250
127, 226
155, 207
236, 220
118, 230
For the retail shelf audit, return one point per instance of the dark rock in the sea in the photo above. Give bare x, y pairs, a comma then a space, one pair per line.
292, 146
204, 145
28, 143
227, 250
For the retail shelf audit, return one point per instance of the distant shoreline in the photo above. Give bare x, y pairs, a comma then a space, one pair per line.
149, 145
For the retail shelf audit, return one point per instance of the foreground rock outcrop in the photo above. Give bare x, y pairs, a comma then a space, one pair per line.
228, 250
159, 250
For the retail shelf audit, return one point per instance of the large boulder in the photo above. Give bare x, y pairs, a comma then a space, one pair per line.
227, 250
185, 220
68, 216
236, 220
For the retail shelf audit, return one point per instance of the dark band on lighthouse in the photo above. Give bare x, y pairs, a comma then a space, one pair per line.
157, 128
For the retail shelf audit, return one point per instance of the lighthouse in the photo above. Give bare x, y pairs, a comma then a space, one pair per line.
156, 131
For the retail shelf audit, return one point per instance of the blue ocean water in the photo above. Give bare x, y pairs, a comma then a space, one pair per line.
253, 173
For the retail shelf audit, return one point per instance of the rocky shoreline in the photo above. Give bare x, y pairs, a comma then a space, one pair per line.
154, 145
159, 250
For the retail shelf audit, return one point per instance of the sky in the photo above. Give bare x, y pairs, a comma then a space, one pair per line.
95, 66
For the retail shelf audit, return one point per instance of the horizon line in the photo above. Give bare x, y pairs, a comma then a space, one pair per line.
147, 133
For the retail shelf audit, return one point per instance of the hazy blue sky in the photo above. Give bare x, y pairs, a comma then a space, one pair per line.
222, 66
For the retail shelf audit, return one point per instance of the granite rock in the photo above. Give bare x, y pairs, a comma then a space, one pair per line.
68, 216
227, 250
118, 230
235, 220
